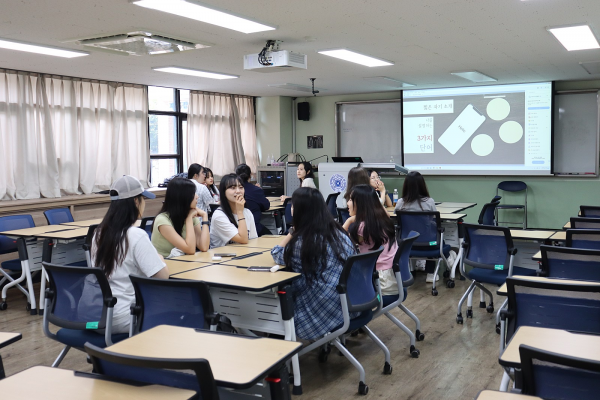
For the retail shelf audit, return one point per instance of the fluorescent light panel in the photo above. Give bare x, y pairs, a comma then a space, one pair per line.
204, 14
348, 55
45, 50
578, 37
387, 81
195, 72
474, 76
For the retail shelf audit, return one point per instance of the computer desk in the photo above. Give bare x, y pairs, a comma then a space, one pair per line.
237, 361
493, 395
63, 384
7, 338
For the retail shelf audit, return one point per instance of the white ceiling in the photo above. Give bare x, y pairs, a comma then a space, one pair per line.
427, 39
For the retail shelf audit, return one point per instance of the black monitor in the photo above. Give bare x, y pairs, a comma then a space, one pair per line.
347, 159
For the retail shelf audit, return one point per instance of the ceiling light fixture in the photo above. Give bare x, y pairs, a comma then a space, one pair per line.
474, 76
575, 37
352, 56
38, 49
387, 81
205, 14
194, 72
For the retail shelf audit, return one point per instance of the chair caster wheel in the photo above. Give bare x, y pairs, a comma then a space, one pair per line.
387, 369
490, 308
469, 313
414, 353
3, 306
498, 329
459, 319
419, 335
450, 284
434, 292
446, 274
482, 304
363, 389
297, 390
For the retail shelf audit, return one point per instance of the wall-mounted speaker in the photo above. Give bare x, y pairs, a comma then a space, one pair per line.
304, 111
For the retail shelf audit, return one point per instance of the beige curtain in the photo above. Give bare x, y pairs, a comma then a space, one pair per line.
86, 134
221, 132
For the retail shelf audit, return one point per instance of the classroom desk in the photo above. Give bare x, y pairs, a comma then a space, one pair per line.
262, 260
89, 222
7, 338
62, 384
528, 244
450, 204
177, 267
555, 340
503, 291
266, 242
567, 225
206, 256
494, 395
537, 256
560, 236
236, 361
273, 198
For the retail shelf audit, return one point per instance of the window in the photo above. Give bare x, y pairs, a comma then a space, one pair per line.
167, 119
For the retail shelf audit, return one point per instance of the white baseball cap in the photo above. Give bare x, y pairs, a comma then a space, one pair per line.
127, 187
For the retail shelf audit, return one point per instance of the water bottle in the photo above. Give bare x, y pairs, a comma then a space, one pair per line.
395, 196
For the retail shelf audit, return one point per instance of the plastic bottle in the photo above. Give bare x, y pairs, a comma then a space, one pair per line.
395, 196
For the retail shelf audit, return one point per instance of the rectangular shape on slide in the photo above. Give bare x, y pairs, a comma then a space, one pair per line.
463, 127
428, 107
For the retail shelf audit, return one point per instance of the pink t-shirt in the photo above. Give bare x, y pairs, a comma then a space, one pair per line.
386, 258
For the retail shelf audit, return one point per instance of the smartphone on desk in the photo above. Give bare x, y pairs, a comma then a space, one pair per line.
264, 269
225, 254
463, 127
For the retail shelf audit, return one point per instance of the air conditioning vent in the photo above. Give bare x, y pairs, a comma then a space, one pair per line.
140, 43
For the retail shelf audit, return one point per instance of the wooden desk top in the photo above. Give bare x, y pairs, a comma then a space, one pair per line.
449, 210
503, 291
446, 204
273, 198
62, 384
531, 235
562, 236
76, 233
177, 267
263, 242
238, 278
90, 222
493, 395
567, 225
262, 260
38, 230
235, 360
537, 256
555, 340
7, 338
206, 256
443, 215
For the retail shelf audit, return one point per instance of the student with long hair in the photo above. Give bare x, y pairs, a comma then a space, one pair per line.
305, 173
197, 174
317, 248
209, 182
415, 197
120, 249
377, 184
232, 222
180, 224
370, 226
356, 176
256, 201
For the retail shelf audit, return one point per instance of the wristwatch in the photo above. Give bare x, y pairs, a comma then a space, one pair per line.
205, 223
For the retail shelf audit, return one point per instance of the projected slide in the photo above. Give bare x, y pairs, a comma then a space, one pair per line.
482, 130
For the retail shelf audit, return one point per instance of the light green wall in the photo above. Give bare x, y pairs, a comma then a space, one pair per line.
268, 130
285, 125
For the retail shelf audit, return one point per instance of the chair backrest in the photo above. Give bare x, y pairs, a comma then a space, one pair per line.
589, 211
495, 199
402, 258
488, 247
552, 304
331, 204
79, 297
171, 302
487, 215
584, 238
512, 186
343, 214
585, 223
147, 224
156, 371
555, 376
357, 281
570, 263
426, 223
11, 223
287, 206
58, 216
213, 207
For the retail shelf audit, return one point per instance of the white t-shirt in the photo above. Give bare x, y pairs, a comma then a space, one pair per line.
204, 196
141, 259
221, 230
309, 182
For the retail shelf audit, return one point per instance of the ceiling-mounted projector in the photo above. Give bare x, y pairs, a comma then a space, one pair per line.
272, 59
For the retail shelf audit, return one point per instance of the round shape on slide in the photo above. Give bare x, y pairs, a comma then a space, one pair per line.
511, 132
498, 109
482, 145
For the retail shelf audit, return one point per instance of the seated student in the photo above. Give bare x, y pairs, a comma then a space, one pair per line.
121, 249
304, 172
356, 176
415, 197
232, 222
256, 200
197, 174
180, 224
371, 227
210, 184
379, 187
317, 248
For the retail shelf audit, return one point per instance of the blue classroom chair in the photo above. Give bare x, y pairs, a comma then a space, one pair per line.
487, 216
147, 225
331, 204
58, 216
583, 238
342, 214
570, 263
589, 211
585, 223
